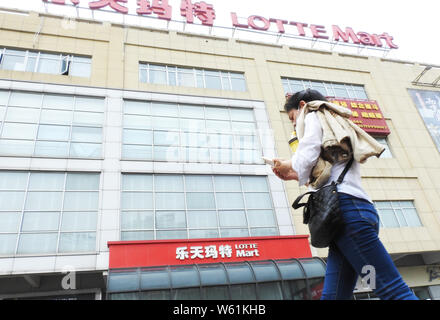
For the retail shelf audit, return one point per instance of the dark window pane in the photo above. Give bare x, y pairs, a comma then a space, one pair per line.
186, 276
362, 296
212, 275
187, 294
290, 270
156, 295
126, 296
265, 271
270, 291
215, 293
123, 281
239, 273
243, 292
155, 278
316, 286
422, 293
295, 290
313, 268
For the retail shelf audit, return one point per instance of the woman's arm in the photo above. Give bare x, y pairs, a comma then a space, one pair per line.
288, 173
306, 156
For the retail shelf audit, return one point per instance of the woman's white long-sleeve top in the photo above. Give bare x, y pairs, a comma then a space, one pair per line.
308, 152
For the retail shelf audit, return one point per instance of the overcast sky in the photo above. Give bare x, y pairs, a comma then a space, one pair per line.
413, 24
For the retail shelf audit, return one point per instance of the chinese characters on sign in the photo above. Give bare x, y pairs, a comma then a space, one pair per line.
159, 7
214, 252
114, 4
428, 104
201, 10
205, 13
366, 114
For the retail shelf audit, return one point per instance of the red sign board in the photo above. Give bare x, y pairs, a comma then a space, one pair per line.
366, 114
131, 254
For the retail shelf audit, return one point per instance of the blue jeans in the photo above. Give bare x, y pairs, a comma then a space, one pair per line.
357, 250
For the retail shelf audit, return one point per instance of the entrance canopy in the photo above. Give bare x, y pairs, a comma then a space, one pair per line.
226, 268
289, 279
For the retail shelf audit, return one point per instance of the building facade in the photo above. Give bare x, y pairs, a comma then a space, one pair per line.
112, 133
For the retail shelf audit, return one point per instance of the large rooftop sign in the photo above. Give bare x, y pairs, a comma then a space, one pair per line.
317, 31
205, 13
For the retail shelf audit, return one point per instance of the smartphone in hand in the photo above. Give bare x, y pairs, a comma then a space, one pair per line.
268, 161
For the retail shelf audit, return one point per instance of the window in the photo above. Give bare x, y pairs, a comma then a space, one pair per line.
422, 293
50, 125
48, 212
328, 89
387, 153
195, 206
191, 77
397, 214
25, 60
189, 133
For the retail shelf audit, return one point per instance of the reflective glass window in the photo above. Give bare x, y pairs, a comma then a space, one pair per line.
123, 281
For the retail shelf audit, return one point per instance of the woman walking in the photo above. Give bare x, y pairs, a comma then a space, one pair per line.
319, 160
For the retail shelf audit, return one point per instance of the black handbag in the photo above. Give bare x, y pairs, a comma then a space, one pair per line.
322, 212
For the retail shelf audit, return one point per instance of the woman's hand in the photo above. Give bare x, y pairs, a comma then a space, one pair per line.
283, 170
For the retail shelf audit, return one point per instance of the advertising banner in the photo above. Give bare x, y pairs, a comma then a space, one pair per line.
366, 114
428, 105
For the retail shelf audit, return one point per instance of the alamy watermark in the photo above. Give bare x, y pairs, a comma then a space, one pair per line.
69, 280
367, 278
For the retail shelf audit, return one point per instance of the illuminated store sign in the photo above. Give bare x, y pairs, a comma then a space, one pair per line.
205, 13
125, 254
366, 114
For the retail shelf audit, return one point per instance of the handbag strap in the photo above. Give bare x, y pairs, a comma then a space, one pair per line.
296, 203
347, 167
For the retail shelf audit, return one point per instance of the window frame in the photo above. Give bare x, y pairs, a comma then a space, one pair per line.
196, 72
306, 83
235, 152
395, 215
40, 109
250, 229
63, 190
65, 61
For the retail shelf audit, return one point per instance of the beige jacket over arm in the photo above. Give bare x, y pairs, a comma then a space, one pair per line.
341, 139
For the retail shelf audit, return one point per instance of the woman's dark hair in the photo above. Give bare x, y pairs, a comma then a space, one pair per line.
306, 95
